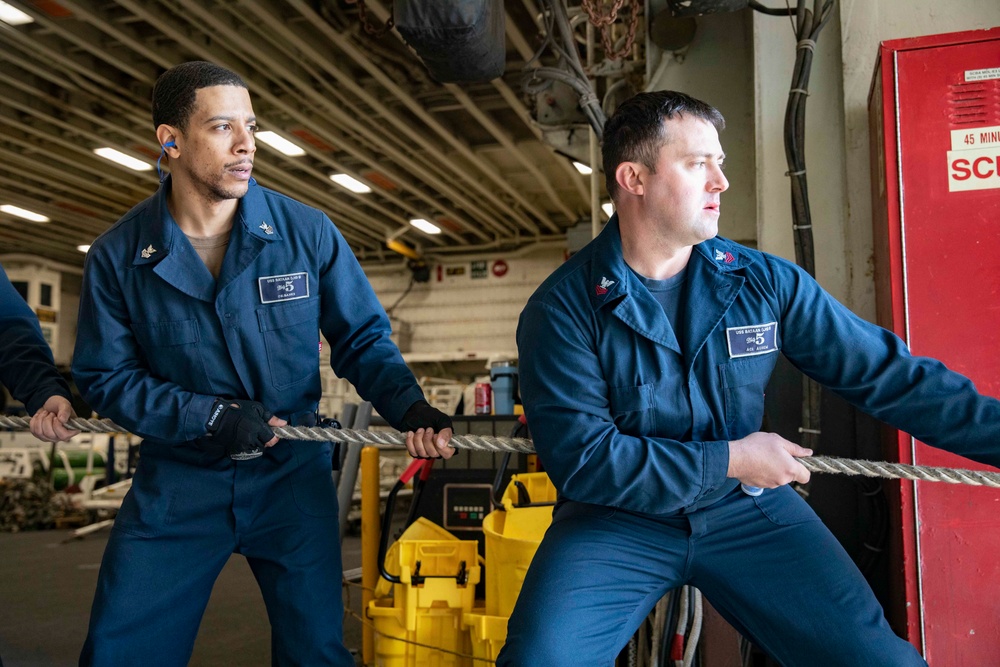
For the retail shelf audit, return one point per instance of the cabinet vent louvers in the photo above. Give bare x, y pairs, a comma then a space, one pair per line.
974, 104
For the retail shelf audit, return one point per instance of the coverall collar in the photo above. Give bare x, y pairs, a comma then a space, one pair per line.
714, 280
164, 245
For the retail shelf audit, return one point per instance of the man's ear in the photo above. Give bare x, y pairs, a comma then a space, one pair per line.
630, 177
166, 136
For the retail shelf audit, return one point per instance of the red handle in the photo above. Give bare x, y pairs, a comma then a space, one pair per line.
424, 465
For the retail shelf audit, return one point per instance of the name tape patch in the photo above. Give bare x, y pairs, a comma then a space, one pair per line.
752, 339
288, 287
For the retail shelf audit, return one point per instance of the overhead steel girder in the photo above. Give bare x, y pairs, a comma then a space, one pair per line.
414, 107
379, 137
168, 25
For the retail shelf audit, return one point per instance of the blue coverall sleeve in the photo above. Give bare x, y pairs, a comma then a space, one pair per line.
567, 403
873, 369
110, 372
26, 365
358, 331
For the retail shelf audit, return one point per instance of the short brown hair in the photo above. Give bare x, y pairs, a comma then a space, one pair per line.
635, 133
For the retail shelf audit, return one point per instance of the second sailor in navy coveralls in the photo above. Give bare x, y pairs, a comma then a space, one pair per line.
199, 330
643, 364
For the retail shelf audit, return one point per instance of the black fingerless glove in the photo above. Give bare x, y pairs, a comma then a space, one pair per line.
422, 415
239, 428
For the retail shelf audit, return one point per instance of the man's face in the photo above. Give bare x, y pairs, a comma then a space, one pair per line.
682, 195
217, 148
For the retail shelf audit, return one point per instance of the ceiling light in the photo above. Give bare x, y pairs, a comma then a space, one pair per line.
23, 213
608, 208
583, 169
351, 183
425, 226
13, 16
280, 144
124, 160
83, 248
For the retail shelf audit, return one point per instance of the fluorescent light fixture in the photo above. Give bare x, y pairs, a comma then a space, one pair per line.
608, 208
351, 183
425, 226
23, 213
83, 248
280, 144
582, 168
124, 160
13, 15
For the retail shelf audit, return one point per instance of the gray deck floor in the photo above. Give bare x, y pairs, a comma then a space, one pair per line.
46, 588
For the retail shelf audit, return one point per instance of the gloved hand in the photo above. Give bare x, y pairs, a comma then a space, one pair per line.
436, 427
423, 415
239, 427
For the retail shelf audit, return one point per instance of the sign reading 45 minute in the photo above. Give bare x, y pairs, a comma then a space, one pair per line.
974, 159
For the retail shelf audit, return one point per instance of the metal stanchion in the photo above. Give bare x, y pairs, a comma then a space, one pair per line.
369, 544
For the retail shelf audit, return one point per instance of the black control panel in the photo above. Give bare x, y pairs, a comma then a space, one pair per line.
466, 505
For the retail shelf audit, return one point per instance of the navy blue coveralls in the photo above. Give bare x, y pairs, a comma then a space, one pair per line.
26, 365
159, 339
633, 429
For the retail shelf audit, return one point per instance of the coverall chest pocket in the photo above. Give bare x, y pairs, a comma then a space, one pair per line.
744, 381
291, 338
171, 349
632, 409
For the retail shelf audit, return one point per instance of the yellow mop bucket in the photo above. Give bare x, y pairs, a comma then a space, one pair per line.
512, 537
433, 579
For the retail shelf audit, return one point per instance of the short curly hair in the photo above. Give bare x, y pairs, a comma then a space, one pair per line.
175, 90
635, 133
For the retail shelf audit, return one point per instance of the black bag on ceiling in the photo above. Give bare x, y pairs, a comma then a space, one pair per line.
458, 40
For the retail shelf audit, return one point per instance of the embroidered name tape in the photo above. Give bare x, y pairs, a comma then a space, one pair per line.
283, 288
753, 339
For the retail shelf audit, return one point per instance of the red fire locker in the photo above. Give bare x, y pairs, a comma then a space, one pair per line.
934, 112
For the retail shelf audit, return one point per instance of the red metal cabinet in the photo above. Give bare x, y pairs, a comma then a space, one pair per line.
934, 112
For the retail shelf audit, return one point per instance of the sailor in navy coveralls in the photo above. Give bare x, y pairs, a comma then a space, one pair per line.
199, 330
643, 364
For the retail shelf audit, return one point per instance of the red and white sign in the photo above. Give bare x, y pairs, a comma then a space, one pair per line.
974, 159
500, 268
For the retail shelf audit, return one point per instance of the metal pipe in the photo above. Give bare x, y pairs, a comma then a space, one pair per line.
595, 199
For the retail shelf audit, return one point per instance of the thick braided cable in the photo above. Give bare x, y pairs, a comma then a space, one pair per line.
900, 471
825, 464
379, 438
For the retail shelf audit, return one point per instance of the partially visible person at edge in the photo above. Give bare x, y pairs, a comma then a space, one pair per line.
28, 370
643, 364
199, 330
